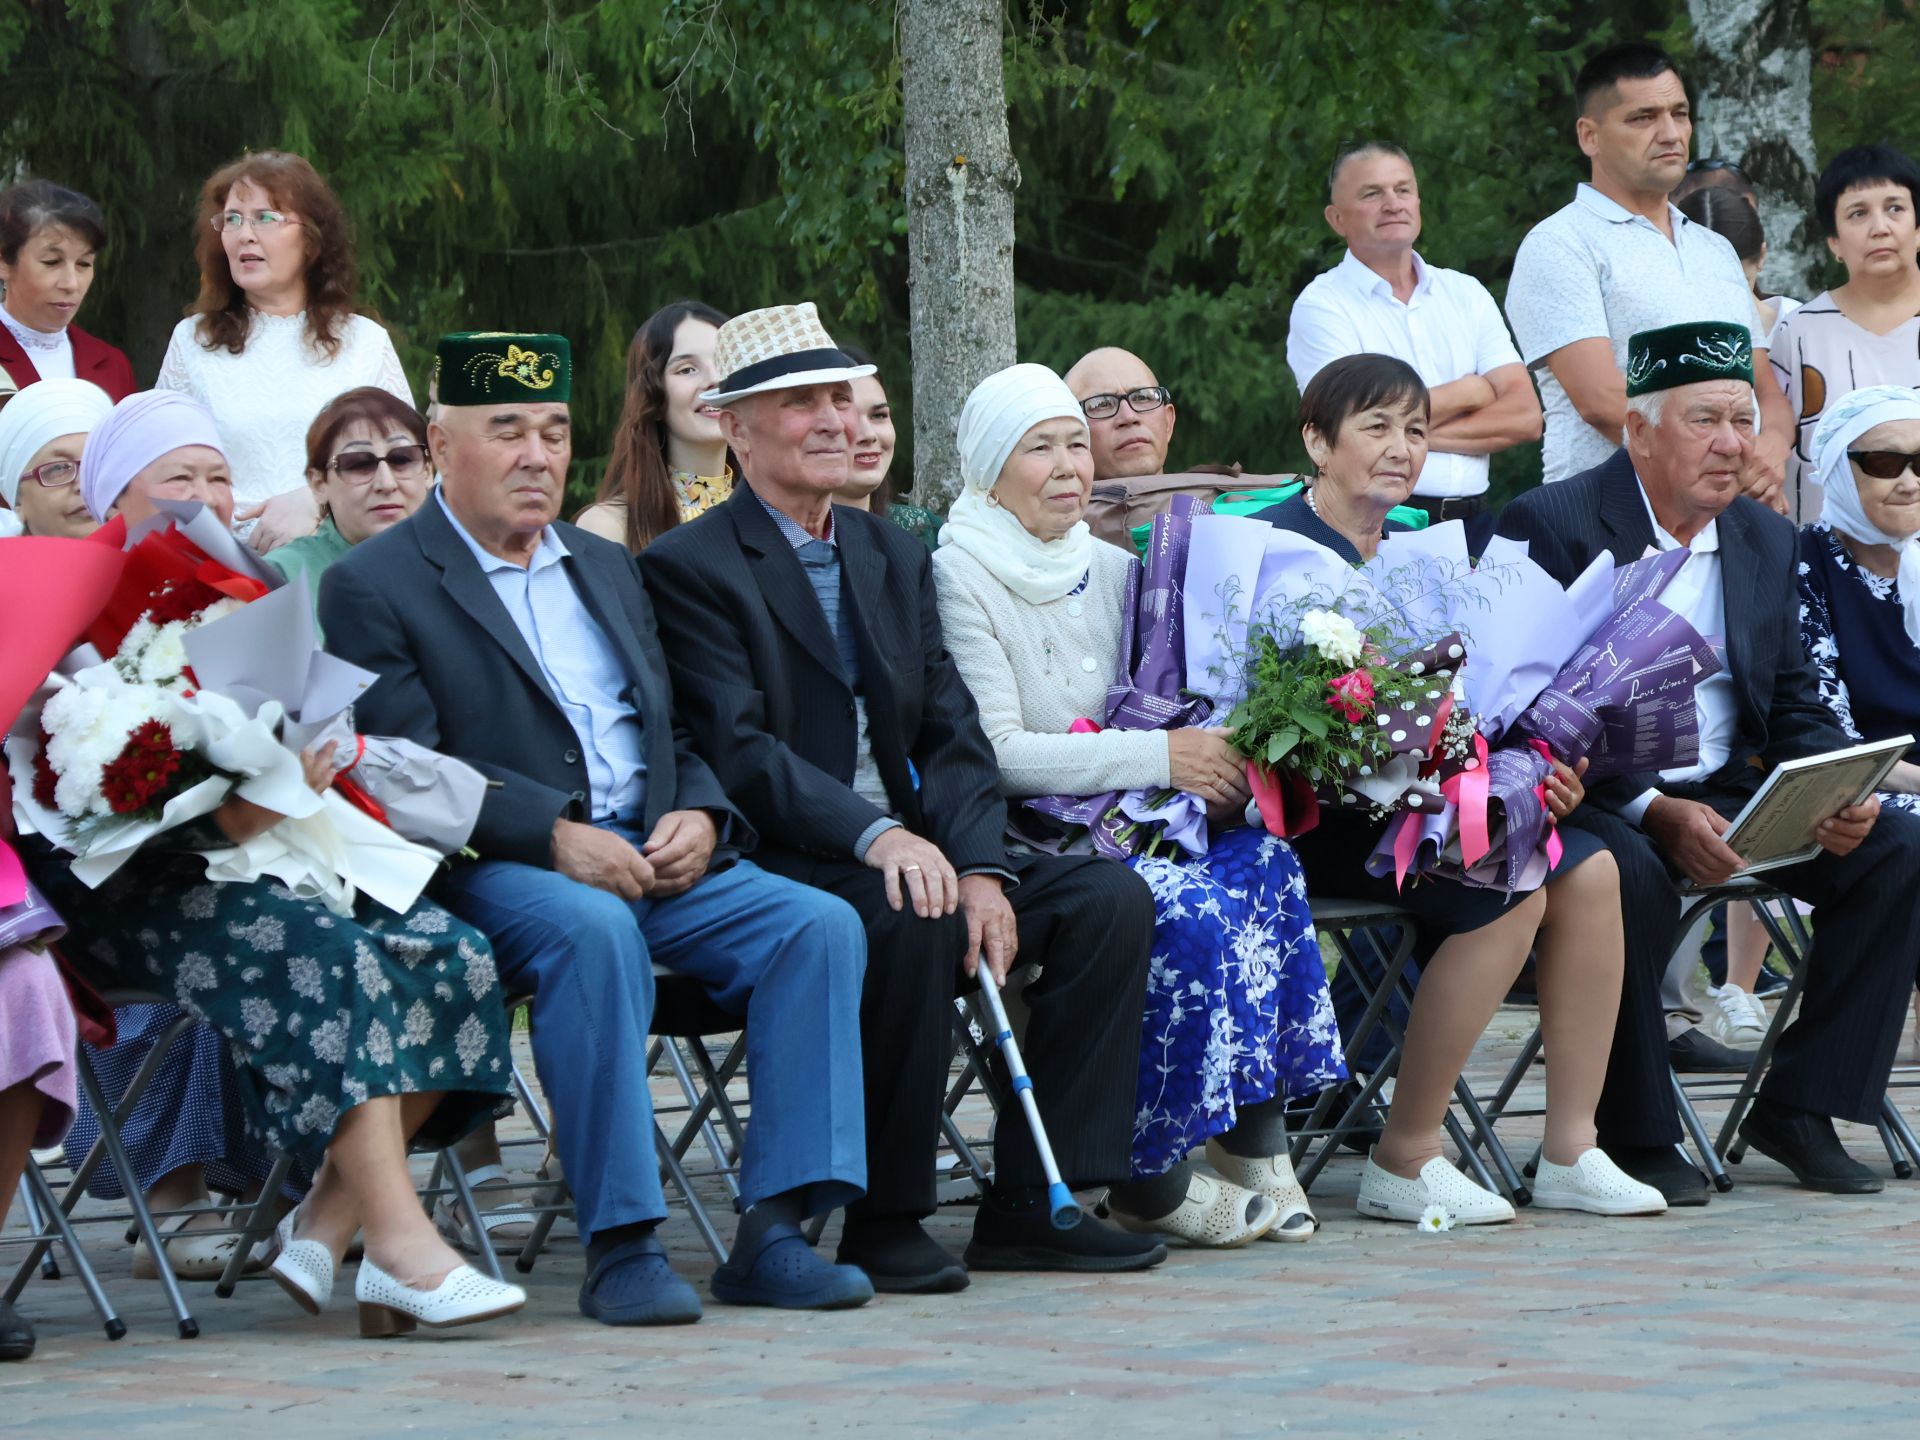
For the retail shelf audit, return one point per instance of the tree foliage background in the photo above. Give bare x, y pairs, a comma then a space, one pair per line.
539, 164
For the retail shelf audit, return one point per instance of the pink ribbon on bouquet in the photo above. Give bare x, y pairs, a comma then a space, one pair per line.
1553, 846
1469, 790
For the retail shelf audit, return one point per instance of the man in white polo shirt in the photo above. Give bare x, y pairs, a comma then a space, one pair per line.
1384, 299
1621, 259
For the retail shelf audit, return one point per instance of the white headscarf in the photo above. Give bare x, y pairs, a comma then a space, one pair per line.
1846, 420
41, 413
1001, 409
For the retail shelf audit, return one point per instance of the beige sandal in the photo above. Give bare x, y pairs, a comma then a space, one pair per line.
1214, 1216
1273, 1177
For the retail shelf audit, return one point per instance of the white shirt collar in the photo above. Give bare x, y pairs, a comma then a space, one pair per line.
1707, 542
1608, 208
1359, 276
30, 338
551, 552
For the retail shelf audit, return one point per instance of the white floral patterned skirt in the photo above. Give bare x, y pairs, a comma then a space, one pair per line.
1237, 1009
321, 1013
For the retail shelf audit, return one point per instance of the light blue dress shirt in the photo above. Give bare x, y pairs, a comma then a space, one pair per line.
580, 664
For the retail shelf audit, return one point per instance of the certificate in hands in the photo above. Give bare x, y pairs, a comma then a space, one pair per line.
1776, 827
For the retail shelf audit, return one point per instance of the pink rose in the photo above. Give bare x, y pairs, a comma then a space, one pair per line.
1351, 694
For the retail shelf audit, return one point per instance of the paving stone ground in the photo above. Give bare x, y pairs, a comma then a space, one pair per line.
1771, 1312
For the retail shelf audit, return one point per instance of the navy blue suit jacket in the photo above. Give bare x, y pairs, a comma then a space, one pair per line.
1780, 714
413, 605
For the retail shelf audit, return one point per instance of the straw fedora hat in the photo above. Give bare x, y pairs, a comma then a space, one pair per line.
778, 348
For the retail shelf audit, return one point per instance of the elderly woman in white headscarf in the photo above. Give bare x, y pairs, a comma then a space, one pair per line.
1238, 1019
1860, 570
42, 430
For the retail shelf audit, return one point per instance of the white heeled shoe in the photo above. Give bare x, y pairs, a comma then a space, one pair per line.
1273, 1177
465, 1297
304, 1268
1387, 1196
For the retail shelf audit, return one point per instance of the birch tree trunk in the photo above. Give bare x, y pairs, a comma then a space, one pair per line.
960, 182
1753, 103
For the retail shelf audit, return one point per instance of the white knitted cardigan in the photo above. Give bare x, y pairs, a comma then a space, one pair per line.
1035, 669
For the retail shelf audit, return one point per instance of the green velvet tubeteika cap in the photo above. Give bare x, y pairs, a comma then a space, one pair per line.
1687, 354
493, 367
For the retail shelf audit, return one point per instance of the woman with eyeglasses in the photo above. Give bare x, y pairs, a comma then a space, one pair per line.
42, 432
50, 241
274, 335
367, 469
1867, 331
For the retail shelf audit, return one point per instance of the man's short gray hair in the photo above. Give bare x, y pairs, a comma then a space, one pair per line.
1650, 407
1353, 149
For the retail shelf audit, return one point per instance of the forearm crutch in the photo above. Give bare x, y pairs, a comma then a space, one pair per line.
1065, 1211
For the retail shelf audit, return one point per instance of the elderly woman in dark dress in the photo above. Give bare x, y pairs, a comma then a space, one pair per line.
1364, 420
352, 1034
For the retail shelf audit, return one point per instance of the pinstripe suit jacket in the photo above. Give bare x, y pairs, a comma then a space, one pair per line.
1780, 714
758, 679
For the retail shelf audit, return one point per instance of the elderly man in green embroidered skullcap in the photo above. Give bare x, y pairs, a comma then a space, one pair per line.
527, 647
1675, 485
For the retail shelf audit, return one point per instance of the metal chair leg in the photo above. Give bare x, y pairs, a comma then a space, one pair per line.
1697, 1132
110, 1320
448, 1163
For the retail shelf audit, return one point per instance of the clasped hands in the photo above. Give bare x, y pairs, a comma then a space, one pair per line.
673, 859
1689, 833
915, 872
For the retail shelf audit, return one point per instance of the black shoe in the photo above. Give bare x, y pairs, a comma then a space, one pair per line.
900, 1258
16, 1335
1771, 983
1694, 1052
1015, 1232
1664, 1168
1805, 1143
1361, 1141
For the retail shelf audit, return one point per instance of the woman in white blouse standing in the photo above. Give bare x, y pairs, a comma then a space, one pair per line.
274, 336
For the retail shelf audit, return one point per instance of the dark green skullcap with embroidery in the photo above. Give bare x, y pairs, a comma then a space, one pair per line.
493, 367
1687, 354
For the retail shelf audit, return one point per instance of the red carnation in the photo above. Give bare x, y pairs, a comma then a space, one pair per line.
181, 599
1351, 694
139, 776
45, 777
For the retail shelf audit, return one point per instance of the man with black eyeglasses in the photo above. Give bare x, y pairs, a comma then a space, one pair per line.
1130, 414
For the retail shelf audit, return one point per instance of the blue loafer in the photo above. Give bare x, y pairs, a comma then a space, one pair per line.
634, 1285
784, 1272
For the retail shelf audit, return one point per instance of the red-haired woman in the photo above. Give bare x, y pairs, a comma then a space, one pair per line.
274, 335
669, 461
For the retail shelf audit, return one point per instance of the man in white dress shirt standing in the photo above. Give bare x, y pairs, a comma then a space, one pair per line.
1620, 259
1384, 299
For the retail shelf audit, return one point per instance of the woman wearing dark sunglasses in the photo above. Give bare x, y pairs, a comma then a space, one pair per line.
367, 468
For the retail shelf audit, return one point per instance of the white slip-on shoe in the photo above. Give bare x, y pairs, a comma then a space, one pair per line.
1386, 1196
193, 1254
1595, 1184
1272, 1176
465, 1297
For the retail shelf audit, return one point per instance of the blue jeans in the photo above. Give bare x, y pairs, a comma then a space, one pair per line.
786, 958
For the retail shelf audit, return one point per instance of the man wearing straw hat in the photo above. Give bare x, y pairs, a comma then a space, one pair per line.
526, 647
805, 643
1691, 420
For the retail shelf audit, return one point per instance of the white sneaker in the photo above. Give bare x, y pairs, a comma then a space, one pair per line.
1386, 1196
1737, 1020
1595, 1184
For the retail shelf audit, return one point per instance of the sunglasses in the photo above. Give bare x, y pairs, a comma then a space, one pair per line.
357, 466
1694, 167
1885, 464
1140, 401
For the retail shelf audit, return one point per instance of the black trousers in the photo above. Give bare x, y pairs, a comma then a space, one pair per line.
1835, 1057
1088, 922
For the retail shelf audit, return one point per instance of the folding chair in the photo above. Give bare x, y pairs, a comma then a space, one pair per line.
46, 1224
1355, 927
685, 1018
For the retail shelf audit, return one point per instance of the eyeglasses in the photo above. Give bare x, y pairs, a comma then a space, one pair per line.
1694, 167
1883, 464
55, 474
357, 467
263, 221
1140, 401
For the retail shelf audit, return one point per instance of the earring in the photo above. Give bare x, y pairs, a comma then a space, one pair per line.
993, 499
